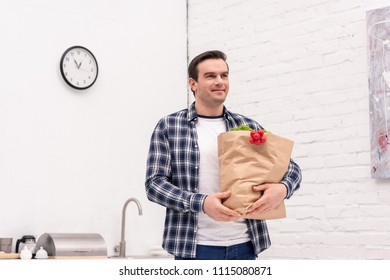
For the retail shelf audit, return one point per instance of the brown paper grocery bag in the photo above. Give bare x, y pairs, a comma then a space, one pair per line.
244, 165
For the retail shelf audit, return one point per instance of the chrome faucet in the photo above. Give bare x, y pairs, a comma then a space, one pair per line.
122, 243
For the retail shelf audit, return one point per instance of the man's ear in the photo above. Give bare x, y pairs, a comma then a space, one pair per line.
192, 83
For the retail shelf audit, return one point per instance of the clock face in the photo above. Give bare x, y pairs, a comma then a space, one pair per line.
79, 67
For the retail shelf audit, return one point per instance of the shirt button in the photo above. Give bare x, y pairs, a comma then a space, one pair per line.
196, 167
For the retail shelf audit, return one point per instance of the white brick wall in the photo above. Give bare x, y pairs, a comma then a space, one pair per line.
300, 69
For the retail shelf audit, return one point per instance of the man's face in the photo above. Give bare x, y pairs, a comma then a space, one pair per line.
212, 86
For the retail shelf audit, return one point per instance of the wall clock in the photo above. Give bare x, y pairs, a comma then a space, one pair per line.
79, 67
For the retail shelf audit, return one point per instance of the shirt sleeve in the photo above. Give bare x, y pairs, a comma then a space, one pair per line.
158, 184
292, 178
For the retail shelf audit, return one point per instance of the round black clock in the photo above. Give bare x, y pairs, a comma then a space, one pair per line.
79, 67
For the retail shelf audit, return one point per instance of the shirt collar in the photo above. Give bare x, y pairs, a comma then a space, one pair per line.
193, 116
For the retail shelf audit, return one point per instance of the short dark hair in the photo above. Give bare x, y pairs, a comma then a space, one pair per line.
193, 66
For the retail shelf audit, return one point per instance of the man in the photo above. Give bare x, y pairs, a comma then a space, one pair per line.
183, 174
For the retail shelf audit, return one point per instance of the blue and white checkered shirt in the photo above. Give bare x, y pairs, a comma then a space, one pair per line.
172, 177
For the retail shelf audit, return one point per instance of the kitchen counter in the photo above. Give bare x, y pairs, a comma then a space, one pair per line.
5, 256
136, 257
144, 257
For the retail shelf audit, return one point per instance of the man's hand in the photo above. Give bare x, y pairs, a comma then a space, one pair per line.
273, 195
214, 209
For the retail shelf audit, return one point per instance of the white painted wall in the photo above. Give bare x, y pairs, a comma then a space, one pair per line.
69, 159
300, 69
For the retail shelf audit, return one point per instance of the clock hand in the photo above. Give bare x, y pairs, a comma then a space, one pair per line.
80, 64
85, 70
76, 63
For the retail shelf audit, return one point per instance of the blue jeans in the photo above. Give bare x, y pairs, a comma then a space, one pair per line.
243, 251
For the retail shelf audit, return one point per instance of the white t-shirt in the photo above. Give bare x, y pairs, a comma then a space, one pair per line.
211, 232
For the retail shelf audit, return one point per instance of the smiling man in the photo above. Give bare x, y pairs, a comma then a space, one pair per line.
210, 85
183, 174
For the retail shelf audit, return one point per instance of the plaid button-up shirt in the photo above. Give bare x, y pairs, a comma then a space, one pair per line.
172, 177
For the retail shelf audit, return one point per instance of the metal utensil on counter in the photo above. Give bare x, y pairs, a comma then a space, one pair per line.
73, 244
6, 244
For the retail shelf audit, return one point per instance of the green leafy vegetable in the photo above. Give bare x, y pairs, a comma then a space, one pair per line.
242, 127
